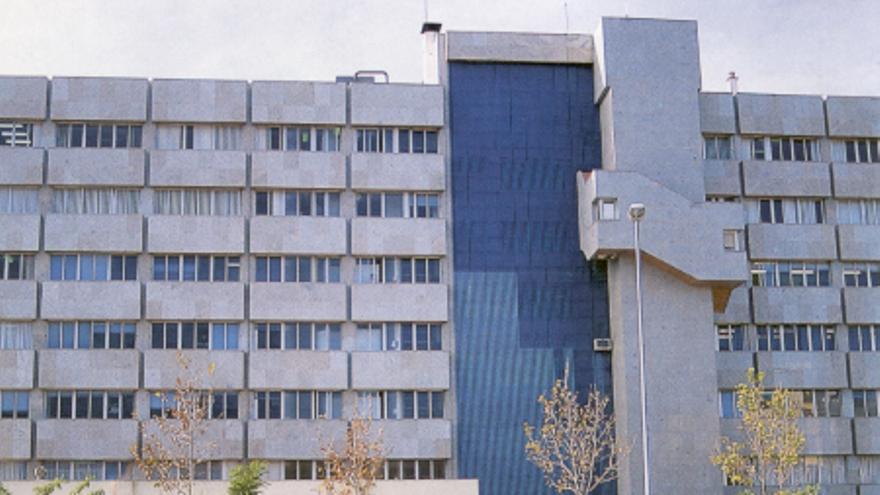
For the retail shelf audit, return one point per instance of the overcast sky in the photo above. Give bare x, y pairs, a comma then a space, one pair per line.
782, 46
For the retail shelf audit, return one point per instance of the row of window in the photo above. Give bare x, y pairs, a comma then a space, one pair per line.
92, 267
780, 148
790, 274
382, 140
393, 469
16, 266
304, 336
397, 205
217, 405
801, 337
195, 335
297, 269
91, 335
394, 336
298, 404
89, 404
810, 403
390, 270
107, 135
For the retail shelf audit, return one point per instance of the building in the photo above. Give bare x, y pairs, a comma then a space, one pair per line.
439, 253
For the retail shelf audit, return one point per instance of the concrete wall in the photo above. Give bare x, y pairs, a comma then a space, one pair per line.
292, 439
400, 370
398, 172
717, 113
798, 179
417, 438
861, 305
200, 168
859, 242
194, 300
23, 97
298, 235
98, 98
15, 439
398, 236
397, 105
19, 300
855, 180
722, 177
572, 48
298, 169
94, 233
16, 370
221, 439
738, 310
19, 232
788, 115
732, 368
827, 370
195, 234
298, 301
199, 100
21, 166
72, 439
853, 116
284, 102
792, 242
76, 300
399, 302
328, 370
161, 369
827, 436
864, 369
796, 305
95, 167
867, 435
100, 369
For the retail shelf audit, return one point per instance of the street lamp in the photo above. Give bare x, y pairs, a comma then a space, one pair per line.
636, 214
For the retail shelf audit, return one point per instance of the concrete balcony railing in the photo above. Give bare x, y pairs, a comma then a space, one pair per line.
75, 439
282, 102
864, 369
107, 233
732, 367
199, 100
721, 177
792, 242
796, 304
397, 104
226, 436
17, 369
399, 302
287, 487
283, 369
95, 167
292, 438
801, 179
298, 301
804, 370
68, 300
195, 234
99, 98
100, 369
298, 170
161, 369
418, 438
199, 168
827, 436
19, 300
859, 242
23, 98
19, 233
398, 172
855, 180
21, 166
867, 434
298, 235
15, 439
398, 236
422, 370
195, 300
861, 304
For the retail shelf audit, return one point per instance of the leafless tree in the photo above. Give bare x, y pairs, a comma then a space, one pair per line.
353, 467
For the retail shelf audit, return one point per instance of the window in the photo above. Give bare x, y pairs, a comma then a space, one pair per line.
219, 404
304, 470
734, 240
399, 337
416, 141
865, 403
605, 209
16, 134
18, 201
390, 270
298, 404
195, 335
13, 470
790, 274
92, 267
376, 140
89, 404
299, 138
91, 335
722, 199
92, 201
198, 137
861, 274
796, 338
731, 337
717, 148
14, 404
297, 269
224, 203
856, 150
201, 268
864, 338
422, 469
819, 403
401, 404
208, 470
92, 135
15, 335
82, 470
296, 203
784, 149
16, 266
398, 205
849, 212
805, 211
305, 336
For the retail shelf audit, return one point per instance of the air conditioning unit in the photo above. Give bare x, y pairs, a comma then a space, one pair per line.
602, 345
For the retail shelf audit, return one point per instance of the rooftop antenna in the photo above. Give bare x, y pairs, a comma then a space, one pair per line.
425, 4
733, 80
565, 8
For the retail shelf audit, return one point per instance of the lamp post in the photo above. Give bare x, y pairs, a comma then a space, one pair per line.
636, 214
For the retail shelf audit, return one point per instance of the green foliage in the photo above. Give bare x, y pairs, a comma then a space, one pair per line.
48, 488
247, 479
4, 491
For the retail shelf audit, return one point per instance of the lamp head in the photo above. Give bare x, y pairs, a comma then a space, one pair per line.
636, 211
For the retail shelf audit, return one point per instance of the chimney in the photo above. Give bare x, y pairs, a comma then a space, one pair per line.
733, 79
431, 60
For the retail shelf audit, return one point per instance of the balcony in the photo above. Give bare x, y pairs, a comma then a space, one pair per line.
195, 301
418, 438
298, 170
397, 104
161, 369
855, 180
804, 370
298, 370
19, 233
721, 177
21, 166
859, 242
398, 172
861, 304
792, 242
19, 300
864, 369
95, 167
298, 235
292, 439
226, 437
75, 439
107, 233
15, 439
398, 236
796, 304
99, 98
100, 369
800, 179
422, 370
71, 300
199, 100
16, 370
195, 234
282, 102
867, 432
298, 301
198, 168
399, 302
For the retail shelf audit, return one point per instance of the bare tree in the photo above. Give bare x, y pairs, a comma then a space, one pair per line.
174, 445
353, 467
576, 446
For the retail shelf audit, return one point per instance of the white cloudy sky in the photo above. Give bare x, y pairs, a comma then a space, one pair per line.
785, 46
